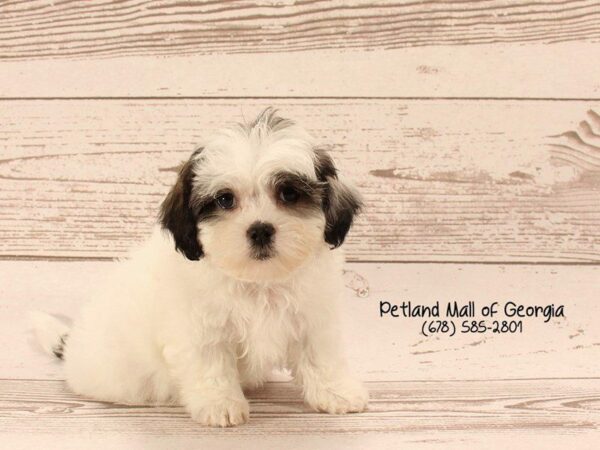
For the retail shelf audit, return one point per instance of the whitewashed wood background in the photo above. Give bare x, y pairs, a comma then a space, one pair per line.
472, 129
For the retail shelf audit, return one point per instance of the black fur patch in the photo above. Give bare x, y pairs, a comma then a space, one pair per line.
177, 214
310, 192
59, 348
340, 203
324, 167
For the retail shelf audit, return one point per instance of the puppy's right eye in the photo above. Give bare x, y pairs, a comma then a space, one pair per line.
226, 200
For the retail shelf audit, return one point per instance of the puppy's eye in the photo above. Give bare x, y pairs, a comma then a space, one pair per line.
288, 194
226, 200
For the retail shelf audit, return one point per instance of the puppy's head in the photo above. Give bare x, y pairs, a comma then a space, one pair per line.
258, 200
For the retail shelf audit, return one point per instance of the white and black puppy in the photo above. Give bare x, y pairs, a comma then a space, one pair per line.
242, 276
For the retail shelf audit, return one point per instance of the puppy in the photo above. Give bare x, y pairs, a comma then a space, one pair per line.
242, 276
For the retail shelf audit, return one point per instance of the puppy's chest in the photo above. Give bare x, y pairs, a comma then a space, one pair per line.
264, 327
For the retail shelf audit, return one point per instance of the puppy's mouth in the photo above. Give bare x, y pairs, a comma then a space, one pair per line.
262, 253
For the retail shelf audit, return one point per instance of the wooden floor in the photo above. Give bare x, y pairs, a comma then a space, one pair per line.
546, 413
440, 392
472, 129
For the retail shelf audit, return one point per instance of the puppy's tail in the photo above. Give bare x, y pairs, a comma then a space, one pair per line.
51, 333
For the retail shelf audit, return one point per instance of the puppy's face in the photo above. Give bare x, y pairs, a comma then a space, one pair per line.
258, 201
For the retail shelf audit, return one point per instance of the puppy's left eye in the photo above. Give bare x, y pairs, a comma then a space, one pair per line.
288, 194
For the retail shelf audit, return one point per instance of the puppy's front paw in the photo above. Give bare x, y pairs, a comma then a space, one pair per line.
222, 412
339, 397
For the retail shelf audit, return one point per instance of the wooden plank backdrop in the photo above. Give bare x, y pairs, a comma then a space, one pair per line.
472, 129
300, 48
442, 181
483, 71
38, 29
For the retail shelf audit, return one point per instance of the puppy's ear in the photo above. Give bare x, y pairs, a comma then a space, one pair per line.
340, 203
177, 215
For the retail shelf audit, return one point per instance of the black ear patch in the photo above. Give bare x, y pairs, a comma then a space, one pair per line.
177, 215
340, 202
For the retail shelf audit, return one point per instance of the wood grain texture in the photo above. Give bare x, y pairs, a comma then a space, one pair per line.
564, 70
38, 29
378, 348
434, 412
495, 178
442, 180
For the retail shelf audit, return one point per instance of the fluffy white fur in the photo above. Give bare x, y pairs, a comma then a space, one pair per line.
167, 329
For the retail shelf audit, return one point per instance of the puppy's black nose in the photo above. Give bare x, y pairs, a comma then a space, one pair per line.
261, 234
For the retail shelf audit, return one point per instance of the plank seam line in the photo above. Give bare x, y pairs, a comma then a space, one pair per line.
392, 98
474, 380
350, 261
491, 263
